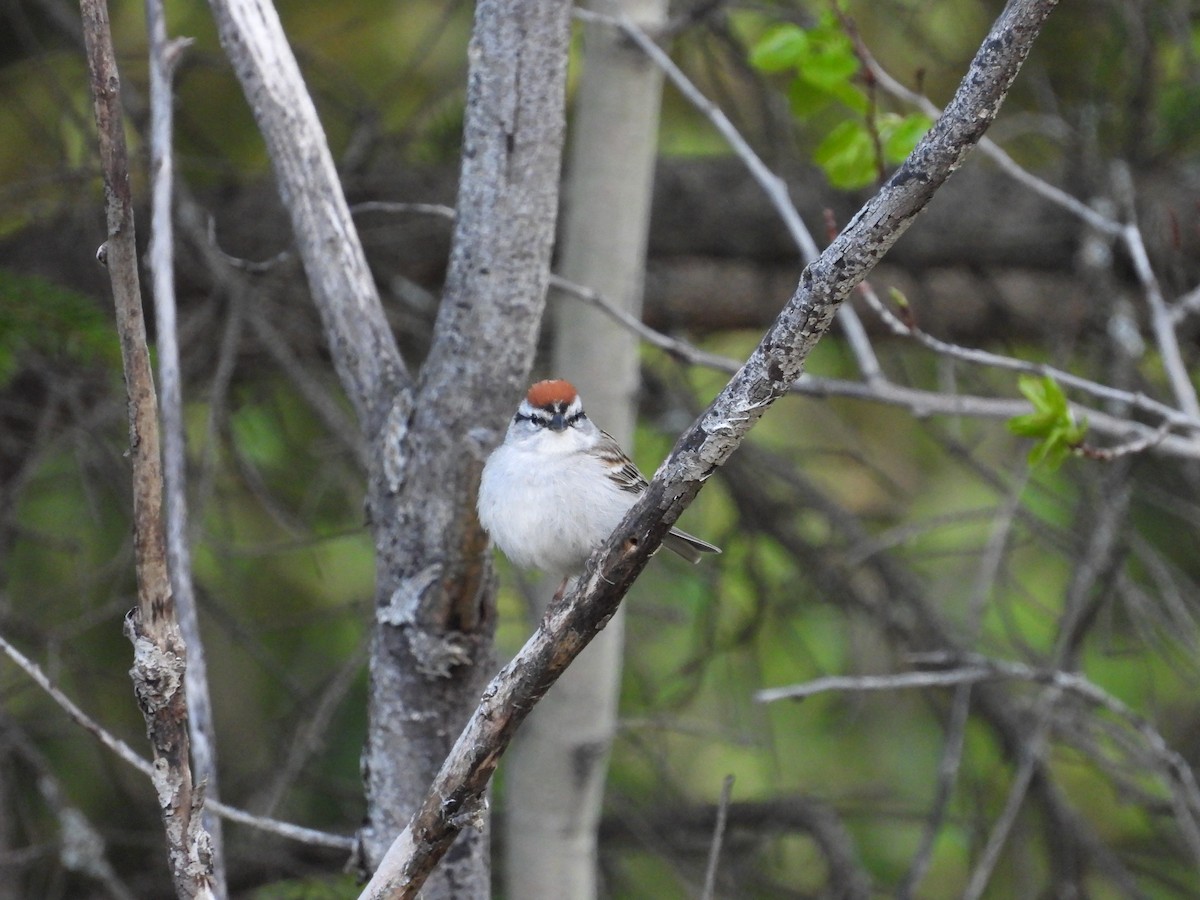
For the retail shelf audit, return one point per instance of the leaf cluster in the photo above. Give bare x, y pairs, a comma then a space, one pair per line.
825, 74
1051, 423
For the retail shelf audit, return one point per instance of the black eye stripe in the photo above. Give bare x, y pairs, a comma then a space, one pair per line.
539, 419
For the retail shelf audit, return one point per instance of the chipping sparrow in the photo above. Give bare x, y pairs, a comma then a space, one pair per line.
558, 486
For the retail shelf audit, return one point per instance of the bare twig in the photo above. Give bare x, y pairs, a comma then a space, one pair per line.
714, 849
920, 402
439, 210
972, 669
297, 833
455, 797
314, 728
1032, 750
772, 185
130, 757
81, 844
1162, 322
923, 403
948, 766
990, 149
898, 681
164, 57
1169, 414
1186, 305
159, 652
362, 345
123, 751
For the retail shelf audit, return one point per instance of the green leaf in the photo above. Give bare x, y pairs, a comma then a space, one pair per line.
1034, 425
1045, 395
830, 63
852, 97
1051, 424
783, 47
847, 156
899, 134
807, 99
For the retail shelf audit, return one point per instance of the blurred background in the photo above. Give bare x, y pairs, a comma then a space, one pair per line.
857, 534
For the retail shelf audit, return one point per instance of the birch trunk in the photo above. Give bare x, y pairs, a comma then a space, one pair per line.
556, 772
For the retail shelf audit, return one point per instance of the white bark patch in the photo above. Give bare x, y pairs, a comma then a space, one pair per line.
394, 432
407, 598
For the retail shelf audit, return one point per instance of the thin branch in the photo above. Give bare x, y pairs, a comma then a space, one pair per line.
1185, 306
81, 844
772, 185
920, 402
990, 149
895, 682
131, 758
363, 347
1162, 322
439, 210
159, 652
974, 356
923, 403
314, 729
973, 669
714, 849
454, 800
297, 833
123, 751
1032, 750
164, 57
948, 767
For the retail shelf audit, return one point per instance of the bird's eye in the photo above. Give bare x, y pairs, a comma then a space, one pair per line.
579, 416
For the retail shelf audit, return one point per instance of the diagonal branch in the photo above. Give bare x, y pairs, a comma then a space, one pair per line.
772, 185
362, 345
455, 797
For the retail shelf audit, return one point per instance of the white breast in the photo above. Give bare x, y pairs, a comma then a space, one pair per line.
548, 504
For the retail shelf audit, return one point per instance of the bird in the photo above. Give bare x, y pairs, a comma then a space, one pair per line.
558, 485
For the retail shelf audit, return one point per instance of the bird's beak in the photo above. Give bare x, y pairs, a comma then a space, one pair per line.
558, 422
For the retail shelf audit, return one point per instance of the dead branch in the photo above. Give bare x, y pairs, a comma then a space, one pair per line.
159, 653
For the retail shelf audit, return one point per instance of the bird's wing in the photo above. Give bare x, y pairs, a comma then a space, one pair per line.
620, 467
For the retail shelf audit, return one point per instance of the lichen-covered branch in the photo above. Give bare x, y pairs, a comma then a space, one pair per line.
159, 653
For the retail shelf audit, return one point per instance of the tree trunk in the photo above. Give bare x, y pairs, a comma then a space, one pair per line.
554, 786
432, 652
427, 440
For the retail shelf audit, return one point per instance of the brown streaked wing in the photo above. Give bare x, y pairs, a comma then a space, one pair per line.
621, 467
